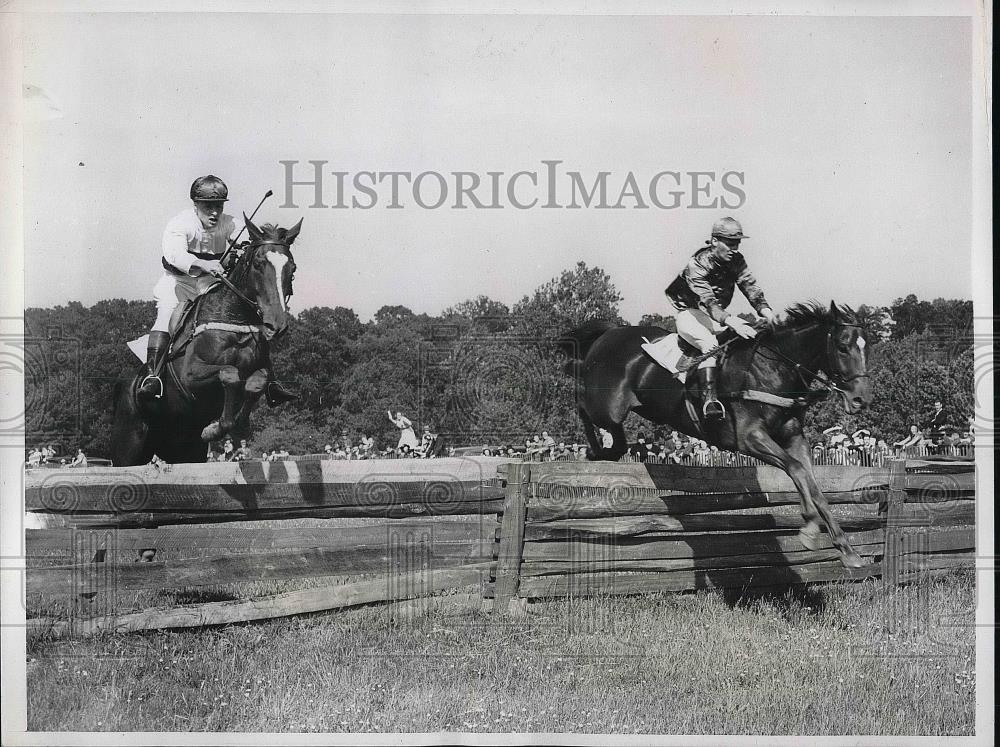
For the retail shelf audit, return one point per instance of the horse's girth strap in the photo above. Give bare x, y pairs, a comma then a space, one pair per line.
227, 327
768, 399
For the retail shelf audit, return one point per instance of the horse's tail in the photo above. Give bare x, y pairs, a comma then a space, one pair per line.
576, 343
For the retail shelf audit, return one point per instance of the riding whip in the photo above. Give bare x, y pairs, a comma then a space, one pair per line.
232, 242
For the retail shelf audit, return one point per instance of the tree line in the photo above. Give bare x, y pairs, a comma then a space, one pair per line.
480, 372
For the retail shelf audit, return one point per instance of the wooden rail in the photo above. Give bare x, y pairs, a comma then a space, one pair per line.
560, 529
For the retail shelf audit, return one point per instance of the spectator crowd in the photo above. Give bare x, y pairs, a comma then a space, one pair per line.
936, 435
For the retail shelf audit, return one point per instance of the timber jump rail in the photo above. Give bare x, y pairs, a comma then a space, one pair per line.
506, 531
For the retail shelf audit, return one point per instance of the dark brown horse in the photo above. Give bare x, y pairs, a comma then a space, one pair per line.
215, 370
767, 382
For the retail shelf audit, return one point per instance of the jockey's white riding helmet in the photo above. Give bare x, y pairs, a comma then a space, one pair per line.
209, 189
729, 229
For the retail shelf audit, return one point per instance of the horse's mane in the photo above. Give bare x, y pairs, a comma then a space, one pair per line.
805, 314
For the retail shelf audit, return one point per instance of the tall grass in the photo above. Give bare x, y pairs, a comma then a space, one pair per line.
833, 659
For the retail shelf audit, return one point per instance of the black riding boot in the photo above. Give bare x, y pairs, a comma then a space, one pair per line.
276, 394
152, 387
711, 408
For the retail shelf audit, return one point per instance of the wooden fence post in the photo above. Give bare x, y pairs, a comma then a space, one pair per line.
891, 513
508, 567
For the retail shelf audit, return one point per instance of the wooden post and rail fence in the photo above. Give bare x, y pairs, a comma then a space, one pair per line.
505, 531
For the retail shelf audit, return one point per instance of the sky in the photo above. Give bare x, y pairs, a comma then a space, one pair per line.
853, 137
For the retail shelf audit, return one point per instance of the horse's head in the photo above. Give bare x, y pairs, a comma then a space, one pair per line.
846, 363
269, 272
828, 340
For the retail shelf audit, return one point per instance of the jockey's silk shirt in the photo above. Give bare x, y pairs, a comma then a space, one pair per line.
185, 239
708, 283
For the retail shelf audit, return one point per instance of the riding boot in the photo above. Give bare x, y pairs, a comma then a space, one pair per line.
711, 408
152, 386
276, 394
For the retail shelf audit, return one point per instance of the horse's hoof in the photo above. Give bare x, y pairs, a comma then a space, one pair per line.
211, 432
852, 560
811, 540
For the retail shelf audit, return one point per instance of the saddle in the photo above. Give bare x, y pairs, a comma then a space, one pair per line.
676, 354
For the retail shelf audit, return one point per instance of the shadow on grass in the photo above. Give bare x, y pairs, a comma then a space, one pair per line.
789, 601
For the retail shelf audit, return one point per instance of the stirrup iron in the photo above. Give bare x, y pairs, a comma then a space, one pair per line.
718, 410
155, 378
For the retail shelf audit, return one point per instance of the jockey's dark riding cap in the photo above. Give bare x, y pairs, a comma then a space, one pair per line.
728, 228
209, 189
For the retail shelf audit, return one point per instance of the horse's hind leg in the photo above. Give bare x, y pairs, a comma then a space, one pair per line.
594, 452
599, 451
130, 440
619, 445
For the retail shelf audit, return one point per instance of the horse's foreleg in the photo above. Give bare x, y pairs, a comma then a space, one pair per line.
809, 535
813, 504
251, 393
233, 389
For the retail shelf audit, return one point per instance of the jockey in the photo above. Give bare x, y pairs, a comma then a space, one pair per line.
194, 243
701, 294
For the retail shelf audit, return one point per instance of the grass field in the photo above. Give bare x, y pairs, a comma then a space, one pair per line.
852, 658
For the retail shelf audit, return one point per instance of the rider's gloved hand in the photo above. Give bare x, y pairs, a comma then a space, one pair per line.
740, 327
767, 313
211, 266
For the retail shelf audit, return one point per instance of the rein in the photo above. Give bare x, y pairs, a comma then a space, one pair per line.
828, 383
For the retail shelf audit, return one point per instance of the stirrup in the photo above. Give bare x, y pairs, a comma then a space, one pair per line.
155, 378
718, 410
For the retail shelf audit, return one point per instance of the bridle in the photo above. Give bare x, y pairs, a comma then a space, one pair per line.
830, 382
247, 253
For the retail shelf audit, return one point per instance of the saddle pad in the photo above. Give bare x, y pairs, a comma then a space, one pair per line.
667, 352
138, 346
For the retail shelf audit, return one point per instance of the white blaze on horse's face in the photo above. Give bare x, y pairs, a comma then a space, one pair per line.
861, 347
279, 261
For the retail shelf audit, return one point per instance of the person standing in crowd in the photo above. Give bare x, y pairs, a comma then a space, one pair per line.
34, 457
936, 426
366, 446
639, 450
228, 452
427, 442
912, 441
547, 445
80, 460
244, 453
407, 437
937, 422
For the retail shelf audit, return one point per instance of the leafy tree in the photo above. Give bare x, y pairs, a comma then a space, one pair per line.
388, 314
482, 314
295, 430
944, 317
667, 323
315, 354
567, 301
876, 323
